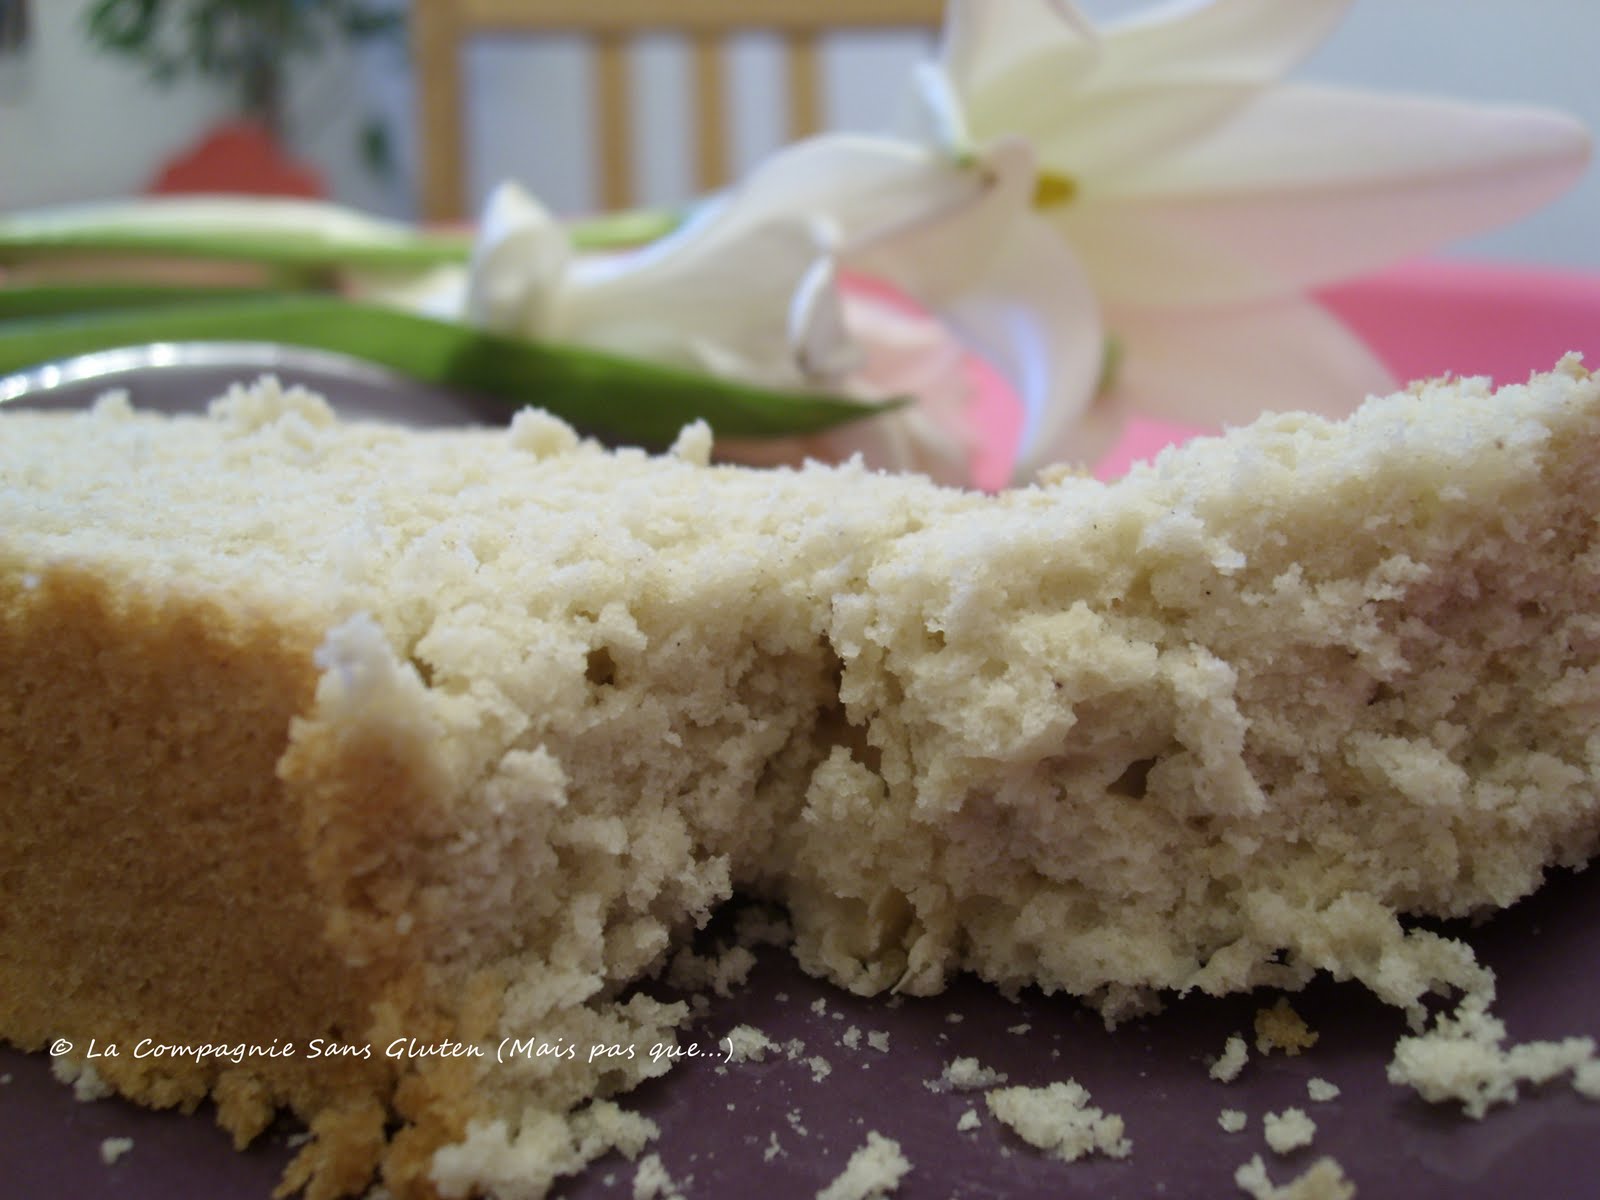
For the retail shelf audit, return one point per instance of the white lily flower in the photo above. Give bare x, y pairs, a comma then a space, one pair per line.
749, 288
1205, 198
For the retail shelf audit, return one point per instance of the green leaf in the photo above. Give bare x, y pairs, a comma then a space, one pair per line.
623, 397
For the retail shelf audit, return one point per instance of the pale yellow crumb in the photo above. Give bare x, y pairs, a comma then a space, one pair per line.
1321, 1090
1586, 1080
1289, 1130
1464, 1057
113, 1148
651, 1181
874, 1170
1323, 1180
85, 1081
1232, 1060
1232, 1120
967, 1074
746, 1043
1058, 1118
1281, 1028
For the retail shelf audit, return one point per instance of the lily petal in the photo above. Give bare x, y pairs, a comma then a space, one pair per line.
1227, 365
1034, 319
1239, 40
518, 263
984, 42
819, 336
862, 185
712, 299
1310, 185
906, 354
1103, 133
1161, 78
937, 253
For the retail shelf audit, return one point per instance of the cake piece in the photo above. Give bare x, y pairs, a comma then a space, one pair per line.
417, 751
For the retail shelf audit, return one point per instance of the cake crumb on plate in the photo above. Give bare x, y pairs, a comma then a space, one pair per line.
874, 1170
1289, 1130
1060, 1119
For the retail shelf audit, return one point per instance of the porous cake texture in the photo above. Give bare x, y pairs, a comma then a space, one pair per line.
341, 736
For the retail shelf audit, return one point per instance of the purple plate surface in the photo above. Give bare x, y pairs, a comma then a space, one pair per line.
720, 1124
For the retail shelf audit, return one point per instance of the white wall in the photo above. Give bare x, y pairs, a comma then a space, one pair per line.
73, 127
76, 126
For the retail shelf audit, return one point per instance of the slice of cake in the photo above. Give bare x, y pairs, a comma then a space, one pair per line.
361, 771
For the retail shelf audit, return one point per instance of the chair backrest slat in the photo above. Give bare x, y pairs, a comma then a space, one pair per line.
442, 28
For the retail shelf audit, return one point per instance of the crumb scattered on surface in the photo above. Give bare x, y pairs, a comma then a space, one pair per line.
967, 1074
879, 1041
1019, 1029
1289, 1130
1059, 1118
749, 1044
1234, 1055
1281, 1028
1464, 1058
851, 1038
84, 1080
874, 1170
1585, 1080
1321, 1090
821, 1068
113, 1148
969, 1121
954, 1018
1232, 1120
651, 1181
1323, 1180
819, 1006
773, 1150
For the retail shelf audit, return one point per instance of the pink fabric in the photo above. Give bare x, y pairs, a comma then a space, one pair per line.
1422, 319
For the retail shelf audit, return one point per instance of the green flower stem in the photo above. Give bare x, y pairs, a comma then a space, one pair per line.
618, 231
299, 250
73, 299
622, 397
304, 254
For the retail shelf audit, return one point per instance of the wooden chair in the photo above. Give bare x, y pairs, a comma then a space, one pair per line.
440, 30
